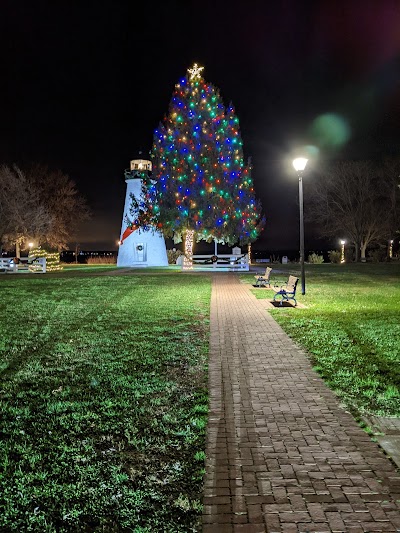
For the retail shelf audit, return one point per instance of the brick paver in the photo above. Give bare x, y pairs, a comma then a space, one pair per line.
282, 455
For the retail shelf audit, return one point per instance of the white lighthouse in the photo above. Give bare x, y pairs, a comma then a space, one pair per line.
139, 247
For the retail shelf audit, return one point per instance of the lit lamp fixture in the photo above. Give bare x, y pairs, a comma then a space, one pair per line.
342, 260
31, 245
391, 248
299, 165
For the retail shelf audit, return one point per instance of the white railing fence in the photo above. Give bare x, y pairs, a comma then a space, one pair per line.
221, 262
38, 265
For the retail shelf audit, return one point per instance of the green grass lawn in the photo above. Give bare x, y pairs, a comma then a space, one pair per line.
351, 328
103, 391
103, 400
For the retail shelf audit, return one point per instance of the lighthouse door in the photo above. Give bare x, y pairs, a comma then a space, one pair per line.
140, 252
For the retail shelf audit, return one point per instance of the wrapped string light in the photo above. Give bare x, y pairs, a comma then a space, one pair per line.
52, 260
187, 260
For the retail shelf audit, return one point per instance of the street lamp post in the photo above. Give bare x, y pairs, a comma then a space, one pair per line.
299, 165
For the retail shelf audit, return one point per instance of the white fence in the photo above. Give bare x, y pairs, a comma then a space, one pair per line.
7, 265
227, 262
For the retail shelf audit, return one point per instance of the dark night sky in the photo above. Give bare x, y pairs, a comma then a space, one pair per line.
84, 85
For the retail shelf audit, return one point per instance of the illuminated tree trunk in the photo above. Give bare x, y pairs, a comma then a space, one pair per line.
249, 252
188, 257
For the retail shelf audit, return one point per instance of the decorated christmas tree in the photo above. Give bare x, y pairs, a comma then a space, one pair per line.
204, 189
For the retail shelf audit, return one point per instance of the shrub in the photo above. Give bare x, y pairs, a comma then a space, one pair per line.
173, 256
315, 259
102, 260
378, 255
335, 256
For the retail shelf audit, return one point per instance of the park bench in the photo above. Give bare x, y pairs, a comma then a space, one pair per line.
288, 291
262, 280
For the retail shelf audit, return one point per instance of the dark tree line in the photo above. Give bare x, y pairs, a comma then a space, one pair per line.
39, 205
359, 201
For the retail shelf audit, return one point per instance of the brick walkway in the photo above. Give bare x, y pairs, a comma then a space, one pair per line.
282, 455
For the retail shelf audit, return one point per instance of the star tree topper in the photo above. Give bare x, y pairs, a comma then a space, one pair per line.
195, 71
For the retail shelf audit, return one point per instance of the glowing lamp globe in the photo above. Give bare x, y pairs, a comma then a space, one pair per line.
300, 163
